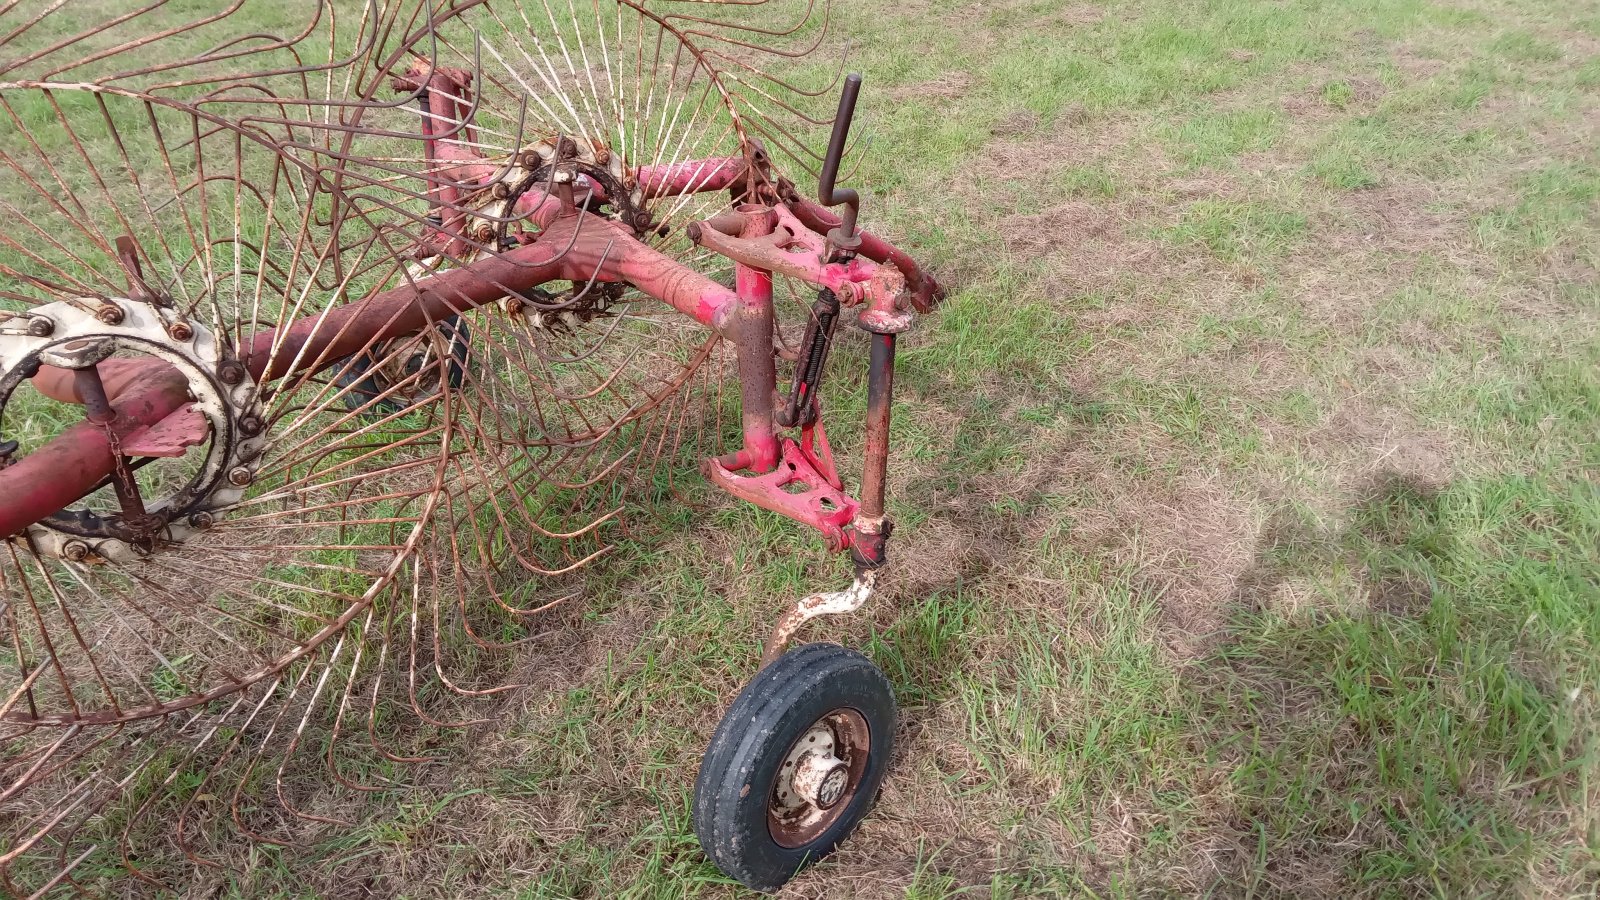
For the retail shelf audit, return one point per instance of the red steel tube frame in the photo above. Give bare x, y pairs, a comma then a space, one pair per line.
572, 245
144, 391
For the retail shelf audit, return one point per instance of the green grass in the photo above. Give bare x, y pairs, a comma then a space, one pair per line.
1238, 229
1260, 557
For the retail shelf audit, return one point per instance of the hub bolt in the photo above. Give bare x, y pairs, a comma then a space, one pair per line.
241, 476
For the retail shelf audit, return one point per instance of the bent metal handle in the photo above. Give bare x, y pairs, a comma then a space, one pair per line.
844, 237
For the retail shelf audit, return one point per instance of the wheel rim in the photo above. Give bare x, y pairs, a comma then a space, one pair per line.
818, 778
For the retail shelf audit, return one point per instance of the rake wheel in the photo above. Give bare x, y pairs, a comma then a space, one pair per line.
247, 525
221, 234
579, 388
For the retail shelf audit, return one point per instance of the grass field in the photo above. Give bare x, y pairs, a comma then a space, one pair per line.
1248, 489
1250, 532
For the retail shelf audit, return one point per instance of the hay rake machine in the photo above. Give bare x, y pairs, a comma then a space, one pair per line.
332, 339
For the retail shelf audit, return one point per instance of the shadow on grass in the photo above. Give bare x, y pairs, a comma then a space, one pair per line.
1431, 740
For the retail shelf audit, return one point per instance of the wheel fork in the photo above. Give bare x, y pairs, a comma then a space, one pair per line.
833, 603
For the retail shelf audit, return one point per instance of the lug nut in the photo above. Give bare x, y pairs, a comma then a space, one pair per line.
180, 331
41, 327
202, 520
75, 551
241, 476
251, 425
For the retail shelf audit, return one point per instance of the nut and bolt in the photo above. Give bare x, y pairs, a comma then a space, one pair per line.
202, 520
500, 190
75, 551
180, 331
109, 313
241, 476
231, 372
251, 425
41, 327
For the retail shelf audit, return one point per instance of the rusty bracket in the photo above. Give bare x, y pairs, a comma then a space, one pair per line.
803, 486
765, 253
834, 603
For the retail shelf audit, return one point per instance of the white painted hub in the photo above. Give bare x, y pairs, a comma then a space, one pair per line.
811, 773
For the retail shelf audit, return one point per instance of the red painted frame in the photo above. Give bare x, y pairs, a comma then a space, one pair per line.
785, 237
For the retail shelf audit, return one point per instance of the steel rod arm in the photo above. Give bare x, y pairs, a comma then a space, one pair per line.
844, 236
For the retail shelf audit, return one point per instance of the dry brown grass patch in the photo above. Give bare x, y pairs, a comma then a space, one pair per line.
951, 85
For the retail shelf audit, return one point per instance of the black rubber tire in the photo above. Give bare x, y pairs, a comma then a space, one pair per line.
738, 771
359, 374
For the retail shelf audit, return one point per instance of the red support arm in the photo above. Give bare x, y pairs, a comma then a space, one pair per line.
143, 392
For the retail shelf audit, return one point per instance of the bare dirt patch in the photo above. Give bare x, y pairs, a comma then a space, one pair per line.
1186, 540
1329, 97
1021, 121
1370, 441
1190, 544
950, 85
1083, 246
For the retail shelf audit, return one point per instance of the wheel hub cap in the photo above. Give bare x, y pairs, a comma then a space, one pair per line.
821, 779
818, 777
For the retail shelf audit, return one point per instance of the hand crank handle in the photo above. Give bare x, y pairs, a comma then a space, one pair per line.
844, 237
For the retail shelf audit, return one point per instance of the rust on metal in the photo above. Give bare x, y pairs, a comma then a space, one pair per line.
819, 778
171, 437
834, 603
